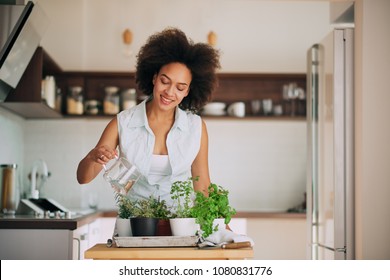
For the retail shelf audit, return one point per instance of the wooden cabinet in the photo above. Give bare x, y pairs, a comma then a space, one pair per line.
246, 87
93, 84
233, 87
26, 99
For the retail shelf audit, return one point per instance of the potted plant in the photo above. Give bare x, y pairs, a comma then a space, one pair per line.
146, 215
209, 208
125, 211
182, 222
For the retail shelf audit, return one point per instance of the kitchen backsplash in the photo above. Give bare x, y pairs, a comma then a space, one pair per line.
262, 163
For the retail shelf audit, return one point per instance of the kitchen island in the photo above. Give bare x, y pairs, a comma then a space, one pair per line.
30, 237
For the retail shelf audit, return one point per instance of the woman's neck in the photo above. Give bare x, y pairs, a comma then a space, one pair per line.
154, 113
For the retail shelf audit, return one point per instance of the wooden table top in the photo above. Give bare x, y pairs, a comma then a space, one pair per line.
102, 252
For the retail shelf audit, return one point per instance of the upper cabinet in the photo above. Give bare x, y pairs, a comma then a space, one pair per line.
105, 92
101, 94
26, 100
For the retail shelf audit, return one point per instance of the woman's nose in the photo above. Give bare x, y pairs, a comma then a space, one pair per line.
170, 90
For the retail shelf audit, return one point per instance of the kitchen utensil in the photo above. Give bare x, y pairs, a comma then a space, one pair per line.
122, 175
267, 106
278, 110
10, 194
256, 106
237, 109
225, 245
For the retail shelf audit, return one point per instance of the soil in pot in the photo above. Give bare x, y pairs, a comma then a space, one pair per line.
141, 226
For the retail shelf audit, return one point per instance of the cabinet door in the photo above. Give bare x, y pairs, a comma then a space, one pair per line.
94, 233
80, 242
107, 226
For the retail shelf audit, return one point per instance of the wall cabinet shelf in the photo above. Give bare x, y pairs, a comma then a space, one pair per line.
233, 87
26, 100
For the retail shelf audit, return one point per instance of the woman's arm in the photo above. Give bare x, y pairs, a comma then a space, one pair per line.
105, 150
200, 166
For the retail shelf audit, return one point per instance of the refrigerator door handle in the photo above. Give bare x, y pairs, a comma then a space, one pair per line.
340, 250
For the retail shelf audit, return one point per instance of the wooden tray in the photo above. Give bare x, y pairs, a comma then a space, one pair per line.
157, 241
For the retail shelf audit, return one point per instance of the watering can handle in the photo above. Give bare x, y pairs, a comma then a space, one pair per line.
105, 167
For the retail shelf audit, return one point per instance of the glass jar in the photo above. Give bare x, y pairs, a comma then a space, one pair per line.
92, 107
75, 101
129, 98
111, 101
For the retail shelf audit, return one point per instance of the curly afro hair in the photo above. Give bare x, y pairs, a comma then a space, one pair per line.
172, 45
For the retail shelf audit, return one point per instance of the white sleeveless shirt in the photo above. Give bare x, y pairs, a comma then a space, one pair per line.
136, 143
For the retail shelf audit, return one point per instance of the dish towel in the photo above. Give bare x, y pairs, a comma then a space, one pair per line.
224, 236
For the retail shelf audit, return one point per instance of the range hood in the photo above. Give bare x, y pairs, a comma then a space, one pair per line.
21, 30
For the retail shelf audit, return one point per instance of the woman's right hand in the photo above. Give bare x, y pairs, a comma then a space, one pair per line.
91, 165
102, 154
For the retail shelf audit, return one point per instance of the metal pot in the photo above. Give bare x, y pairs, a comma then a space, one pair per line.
10, 194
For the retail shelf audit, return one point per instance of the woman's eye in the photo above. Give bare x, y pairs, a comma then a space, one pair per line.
164, 81
181, 88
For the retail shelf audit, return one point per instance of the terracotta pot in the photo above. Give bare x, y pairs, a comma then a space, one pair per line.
163, 228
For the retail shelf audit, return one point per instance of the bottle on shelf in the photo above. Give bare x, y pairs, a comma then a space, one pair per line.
111, 100
49, 91
129, 98
75, 101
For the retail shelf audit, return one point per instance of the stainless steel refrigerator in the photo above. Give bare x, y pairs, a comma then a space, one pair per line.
330, 127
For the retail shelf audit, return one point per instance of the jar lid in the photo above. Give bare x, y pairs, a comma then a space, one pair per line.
92, 102
111, 89
11, 165
76, 89
129, 90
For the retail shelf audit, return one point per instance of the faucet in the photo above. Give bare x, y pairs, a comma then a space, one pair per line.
45, 175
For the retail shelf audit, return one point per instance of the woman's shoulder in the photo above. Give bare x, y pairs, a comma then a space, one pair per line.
131, 115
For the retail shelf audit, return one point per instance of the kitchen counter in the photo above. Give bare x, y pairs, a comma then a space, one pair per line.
76, 220
81, 218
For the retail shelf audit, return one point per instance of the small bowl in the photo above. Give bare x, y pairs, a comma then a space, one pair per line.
214, 106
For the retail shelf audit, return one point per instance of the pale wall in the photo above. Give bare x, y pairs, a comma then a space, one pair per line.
254, 36
262, 163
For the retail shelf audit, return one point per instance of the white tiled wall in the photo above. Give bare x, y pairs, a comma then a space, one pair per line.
262, 163
11, 139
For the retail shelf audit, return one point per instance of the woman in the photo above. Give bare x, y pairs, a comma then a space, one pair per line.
162, 136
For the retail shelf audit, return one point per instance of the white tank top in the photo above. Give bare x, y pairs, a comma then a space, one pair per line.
159, 168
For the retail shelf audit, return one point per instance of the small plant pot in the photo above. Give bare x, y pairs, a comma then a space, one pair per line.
184, 226
141, 226
220, 222
123, 227
164, 228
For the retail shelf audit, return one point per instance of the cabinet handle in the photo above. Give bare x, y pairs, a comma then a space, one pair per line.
84, 236
79, 246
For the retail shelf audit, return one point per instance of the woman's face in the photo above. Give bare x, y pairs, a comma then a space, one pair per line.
171, 85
